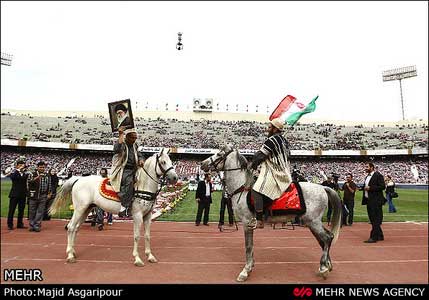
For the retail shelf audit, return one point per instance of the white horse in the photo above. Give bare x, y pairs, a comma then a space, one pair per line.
238, 179
85, 194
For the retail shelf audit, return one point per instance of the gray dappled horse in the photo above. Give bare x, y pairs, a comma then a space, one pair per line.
84, 193
238, 180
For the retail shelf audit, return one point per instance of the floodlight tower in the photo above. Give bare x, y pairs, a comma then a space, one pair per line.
399, 74
6, 59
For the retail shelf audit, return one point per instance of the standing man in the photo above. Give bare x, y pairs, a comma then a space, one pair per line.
373, 199
329, 182
17, 194
349, 189
274, 177
125, 161
225, 202
390, 189
204, 199
54, 185
39, 187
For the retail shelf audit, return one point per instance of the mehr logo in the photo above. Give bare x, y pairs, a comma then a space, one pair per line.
302, 292
22, 275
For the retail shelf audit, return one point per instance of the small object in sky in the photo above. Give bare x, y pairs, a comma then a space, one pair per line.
179, 45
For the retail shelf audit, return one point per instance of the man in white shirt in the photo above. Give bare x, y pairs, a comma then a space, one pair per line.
374, 199
204, 199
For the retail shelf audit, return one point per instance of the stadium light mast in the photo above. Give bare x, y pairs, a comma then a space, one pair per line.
399, 74
6, 59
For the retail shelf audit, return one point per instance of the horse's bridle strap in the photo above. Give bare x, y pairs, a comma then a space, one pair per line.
145, 195
240, 190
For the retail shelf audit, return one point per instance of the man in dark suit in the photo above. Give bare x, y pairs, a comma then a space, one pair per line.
17, 194
374, 199
204, 199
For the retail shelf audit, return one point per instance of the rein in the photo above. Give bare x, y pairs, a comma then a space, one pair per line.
242, 188
161, 183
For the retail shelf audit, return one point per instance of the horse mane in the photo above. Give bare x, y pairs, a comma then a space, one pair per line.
242, 160
243, 165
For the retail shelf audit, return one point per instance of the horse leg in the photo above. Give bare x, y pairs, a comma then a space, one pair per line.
147, 220
324, 237
137, 220
77, 219
250, 262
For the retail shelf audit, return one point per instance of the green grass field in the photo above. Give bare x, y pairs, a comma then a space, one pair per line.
412, 205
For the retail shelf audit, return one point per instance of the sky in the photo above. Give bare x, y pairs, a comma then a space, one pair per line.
82, 55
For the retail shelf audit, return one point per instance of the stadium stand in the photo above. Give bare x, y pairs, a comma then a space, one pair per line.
90, 163
213, 134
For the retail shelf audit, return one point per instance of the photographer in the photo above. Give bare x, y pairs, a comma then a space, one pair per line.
17, 194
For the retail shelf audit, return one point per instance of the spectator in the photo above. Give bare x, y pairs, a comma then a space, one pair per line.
225, 202
40, 190
329, 182
390, 189
349, 188
54, 185
373, 199
17, 194
204, 199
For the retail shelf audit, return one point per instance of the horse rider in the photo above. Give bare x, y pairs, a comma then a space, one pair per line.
126, 160
274, 177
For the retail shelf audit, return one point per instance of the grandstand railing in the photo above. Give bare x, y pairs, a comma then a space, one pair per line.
95, 147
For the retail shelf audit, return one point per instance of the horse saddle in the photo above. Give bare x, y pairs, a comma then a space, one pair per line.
107, 191
290, 202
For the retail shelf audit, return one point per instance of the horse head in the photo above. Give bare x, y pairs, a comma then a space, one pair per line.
222, 160
165, 166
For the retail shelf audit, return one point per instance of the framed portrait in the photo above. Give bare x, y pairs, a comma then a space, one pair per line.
121, 114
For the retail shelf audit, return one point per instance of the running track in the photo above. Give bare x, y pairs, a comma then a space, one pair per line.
190, 254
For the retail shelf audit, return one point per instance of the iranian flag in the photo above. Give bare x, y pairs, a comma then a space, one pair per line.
291, 110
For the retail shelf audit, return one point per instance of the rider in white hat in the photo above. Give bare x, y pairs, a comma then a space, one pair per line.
274, 177
125, 161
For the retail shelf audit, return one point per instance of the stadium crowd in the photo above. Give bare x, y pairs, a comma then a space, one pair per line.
81, 163
213, 133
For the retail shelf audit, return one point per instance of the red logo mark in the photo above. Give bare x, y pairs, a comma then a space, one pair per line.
302, 292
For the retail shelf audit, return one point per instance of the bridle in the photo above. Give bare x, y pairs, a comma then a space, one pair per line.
216, 162
152, 196
157, 164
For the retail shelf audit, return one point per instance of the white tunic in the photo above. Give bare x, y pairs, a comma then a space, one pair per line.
274, 177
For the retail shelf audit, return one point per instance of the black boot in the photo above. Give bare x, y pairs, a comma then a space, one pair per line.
259, 219
125, 213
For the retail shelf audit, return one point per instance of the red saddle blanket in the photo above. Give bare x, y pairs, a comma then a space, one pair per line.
107, 191
290, 202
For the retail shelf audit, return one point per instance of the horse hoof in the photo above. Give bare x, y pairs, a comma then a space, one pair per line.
242, 277
71, 260
152, 259
138, 263
324, 273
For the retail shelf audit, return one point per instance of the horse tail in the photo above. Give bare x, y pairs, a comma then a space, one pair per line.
337, 208
63, 195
